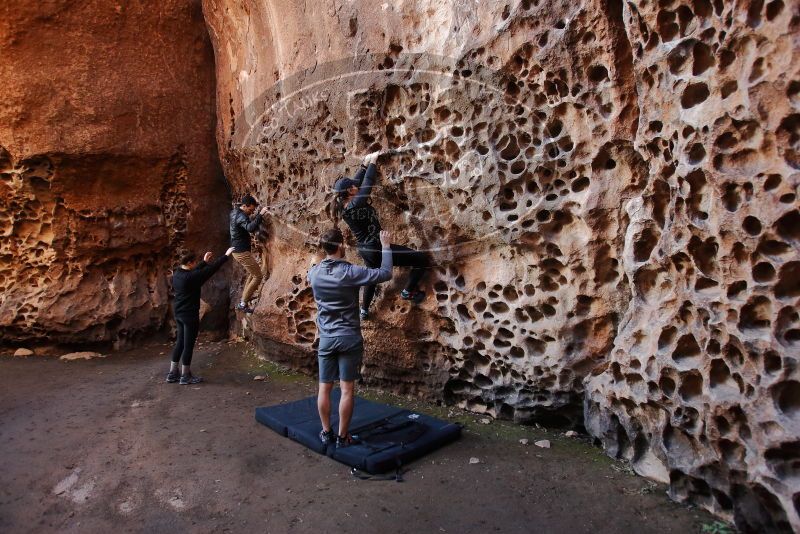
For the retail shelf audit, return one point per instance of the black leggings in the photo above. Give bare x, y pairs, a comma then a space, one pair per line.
184, 344
401, 257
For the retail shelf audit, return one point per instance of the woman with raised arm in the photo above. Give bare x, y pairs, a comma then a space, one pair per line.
352, 204
187, 281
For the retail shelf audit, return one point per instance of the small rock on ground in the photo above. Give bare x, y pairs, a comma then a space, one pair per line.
23, 352
81, 356
474, 460
543, 443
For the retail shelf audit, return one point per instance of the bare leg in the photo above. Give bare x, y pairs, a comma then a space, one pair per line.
345, 406
324, 405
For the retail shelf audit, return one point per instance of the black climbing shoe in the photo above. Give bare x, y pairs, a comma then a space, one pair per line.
364, 314
244, 308
344, 441
327, 437
173, 377
189, 380
416, 296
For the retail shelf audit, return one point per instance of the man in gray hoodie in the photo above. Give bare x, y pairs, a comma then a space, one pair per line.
335, 283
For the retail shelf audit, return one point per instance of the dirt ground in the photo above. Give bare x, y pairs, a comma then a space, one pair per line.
106, 445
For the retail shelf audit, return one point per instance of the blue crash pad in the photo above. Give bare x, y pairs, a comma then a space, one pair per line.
386, 436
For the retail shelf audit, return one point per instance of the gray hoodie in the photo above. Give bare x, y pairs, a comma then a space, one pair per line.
335, 284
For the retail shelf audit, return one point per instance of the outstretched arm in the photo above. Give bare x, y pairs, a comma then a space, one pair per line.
365, 187
252, 226
359, 175
204, 270
363, 276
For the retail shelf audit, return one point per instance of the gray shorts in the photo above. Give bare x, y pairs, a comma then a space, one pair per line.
340, 358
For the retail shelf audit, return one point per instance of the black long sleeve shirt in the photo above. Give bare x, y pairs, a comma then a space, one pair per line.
187, 286
359, 214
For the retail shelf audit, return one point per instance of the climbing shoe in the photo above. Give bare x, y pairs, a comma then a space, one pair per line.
414, 296
327, 437
173, 377
344, 441
364, 314
244, 308
188, 380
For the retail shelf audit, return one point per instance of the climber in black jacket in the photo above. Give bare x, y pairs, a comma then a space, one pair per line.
241, 227
351, 203
187, 281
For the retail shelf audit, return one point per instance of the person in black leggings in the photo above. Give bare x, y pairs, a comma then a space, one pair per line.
187, 281
351, 203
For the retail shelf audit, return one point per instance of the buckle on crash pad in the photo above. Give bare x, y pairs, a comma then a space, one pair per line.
362, 475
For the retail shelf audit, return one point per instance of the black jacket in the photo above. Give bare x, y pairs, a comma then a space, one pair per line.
241, 228
187, 286
359, 214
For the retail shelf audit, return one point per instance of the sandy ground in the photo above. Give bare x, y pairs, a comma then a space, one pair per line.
107, 446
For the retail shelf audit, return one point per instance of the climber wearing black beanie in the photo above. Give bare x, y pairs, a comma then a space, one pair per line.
351, 203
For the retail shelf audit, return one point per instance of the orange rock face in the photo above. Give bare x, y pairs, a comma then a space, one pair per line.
108, 164
609, 191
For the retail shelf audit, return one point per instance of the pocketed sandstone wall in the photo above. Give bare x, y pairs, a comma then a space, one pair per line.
108, 164
609, 191
701, 387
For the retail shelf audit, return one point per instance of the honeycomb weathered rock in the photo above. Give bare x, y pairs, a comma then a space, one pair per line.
107, 165
700, 388
609, 190
493, 177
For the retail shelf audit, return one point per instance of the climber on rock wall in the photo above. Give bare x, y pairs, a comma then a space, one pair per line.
351, 203
187, 281
241, 226
335, 284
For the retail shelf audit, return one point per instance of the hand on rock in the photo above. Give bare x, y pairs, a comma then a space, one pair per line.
372, 157
207, 257
385, 155
386, 238
264, 210
229, 251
